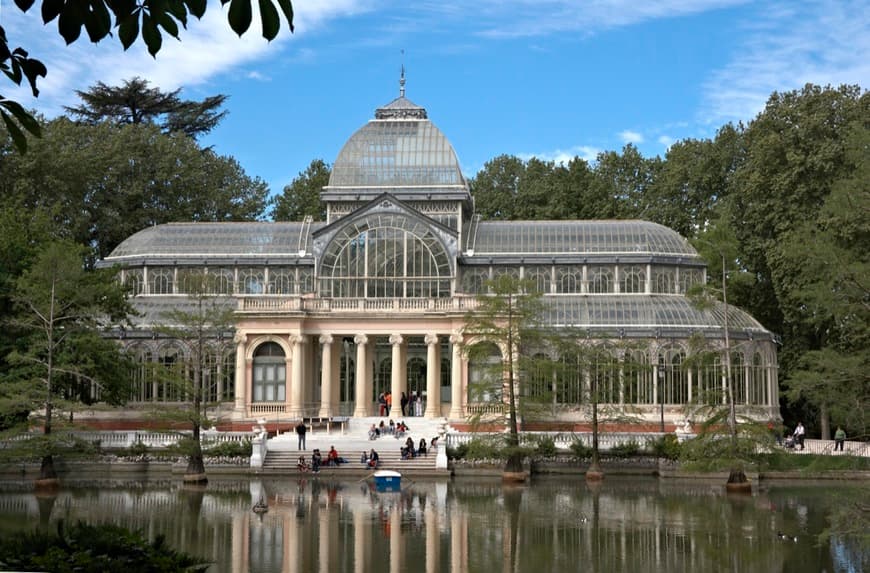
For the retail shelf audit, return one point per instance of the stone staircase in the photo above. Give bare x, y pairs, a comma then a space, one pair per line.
283, 455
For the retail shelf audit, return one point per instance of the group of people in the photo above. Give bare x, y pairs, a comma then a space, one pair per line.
371, 459
412, 405
796, 439
332, 459
408, 451
393, 429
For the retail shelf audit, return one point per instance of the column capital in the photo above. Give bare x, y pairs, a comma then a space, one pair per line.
456, 338
240, 337
396, 339
361, 339
298, 339
326, 339
431, 338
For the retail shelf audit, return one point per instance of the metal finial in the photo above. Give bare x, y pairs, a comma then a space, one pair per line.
402, 77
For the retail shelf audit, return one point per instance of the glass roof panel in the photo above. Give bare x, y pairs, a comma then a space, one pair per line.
217, 239
577, 237
616, 311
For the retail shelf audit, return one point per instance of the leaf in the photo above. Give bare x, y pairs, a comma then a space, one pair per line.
287, 8
240, 16
178, 10
51, 9
197, 7
26, 120
270, 19
70, 23
128, 30
98, 23
167, 23
24, 5
18, 137
151, 35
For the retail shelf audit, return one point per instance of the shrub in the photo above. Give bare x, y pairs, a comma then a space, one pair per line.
544, 446
668, 447
625, 450
136, 450
231, 449
579, 449
485, 447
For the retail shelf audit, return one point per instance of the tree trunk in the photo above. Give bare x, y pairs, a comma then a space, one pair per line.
825, 422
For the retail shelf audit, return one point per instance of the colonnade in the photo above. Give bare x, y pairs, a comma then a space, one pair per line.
306, 354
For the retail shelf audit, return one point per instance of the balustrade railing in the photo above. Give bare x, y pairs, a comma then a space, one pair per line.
267, 303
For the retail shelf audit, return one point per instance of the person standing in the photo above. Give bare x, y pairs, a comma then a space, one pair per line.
839, 439
404, 403
388, 396
799, 433
300, 433
382, 404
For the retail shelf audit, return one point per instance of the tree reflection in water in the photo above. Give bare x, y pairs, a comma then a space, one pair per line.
551, 525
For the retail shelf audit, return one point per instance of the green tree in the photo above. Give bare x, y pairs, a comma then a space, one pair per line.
794, 154
302, 197
627, 178
507, 318
495, 187
151, 18
205, 327
108, 182
136, 102
59, 309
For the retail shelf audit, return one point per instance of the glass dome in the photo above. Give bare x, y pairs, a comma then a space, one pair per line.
399, 148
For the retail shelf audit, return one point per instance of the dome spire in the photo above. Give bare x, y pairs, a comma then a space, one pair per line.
402, 77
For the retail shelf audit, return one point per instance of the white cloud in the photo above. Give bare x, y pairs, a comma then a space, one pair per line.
788, 45
666, 140
628, 136
564, 156
208, 47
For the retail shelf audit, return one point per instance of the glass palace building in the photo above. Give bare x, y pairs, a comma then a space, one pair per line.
330, 314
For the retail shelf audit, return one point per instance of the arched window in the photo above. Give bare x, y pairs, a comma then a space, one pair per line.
540, 276
142, 388
221, 281
663, 280
382, 379
228, 376
416, 373
282, 281
637, 378
605, 375
539, 378
172, 384
160, 280
270, 371
485, 373
632, 279
473, 280
570, 379
673, 379
757, 385
385, 255
570, 279
738, 378
252, 281
134, 281
688, 278
600, 280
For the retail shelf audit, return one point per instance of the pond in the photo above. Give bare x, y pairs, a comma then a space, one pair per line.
467, 525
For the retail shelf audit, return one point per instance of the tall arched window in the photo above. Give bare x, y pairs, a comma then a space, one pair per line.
757, 386
281, 281
134, 281
600, 280
637, 378
485, 373
632, 279
570, 279
540, 276
270, 371
160, 281
673, 379
385, 255
416, 373
252, 281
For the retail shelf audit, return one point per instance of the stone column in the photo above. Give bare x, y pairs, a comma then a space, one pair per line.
361, 408
398, 377
456, 386
327, 399
433, 376
242, 397
296, 381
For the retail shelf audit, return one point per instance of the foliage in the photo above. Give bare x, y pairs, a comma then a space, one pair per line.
302, 197
136, 102
625, 449
205, 328
230, 449
545, 446
59, 309
110, 181
580, 450
93, 548
152, 18
667, 447
779, 460
850, 519
136, 450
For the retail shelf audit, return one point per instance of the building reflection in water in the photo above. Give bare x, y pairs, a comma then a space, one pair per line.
317, 526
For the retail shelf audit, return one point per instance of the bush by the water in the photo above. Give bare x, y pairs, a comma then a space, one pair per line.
667, 446
625, 450
231, 449
92, 548
580, 449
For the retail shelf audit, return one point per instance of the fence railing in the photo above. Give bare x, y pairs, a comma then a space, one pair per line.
109, 439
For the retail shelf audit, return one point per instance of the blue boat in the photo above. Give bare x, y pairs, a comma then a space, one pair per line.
388, 480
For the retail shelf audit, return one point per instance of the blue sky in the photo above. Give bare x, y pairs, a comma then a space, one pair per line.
551, 79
